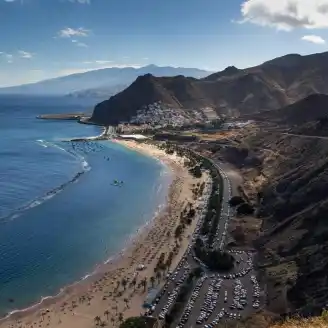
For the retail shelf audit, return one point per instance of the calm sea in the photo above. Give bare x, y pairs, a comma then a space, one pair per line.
60, 212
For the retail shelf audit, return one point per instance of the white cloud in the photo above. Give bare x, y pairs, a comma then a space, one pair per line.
69, 32
25, 54
103, 62
314, 39
286, 14
7, 57
80, 44
10, 1
98, 62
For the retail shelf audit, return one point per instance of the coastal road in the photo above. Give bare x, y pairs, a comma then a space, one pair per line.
225, 209
240, 275
304, 136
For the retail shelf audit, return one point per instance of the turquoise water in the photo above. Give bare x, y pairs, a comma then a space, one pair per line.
60, 214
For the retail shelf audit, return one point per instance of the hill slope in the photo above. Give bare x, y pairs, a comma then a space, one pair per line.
110, 78
177, 92
291, 176
313, 107
271, 85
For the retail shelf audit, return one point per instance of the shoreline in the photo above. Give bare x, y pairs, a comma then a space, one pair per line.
98, 269
112, 266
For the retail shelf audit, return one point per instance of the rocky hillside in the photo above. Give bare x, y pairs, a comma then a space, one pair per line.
177, 92
291, 177
311, 108
271, 85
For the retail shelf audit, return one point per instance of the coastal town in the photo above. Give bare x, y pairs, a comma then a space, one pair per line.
159, 114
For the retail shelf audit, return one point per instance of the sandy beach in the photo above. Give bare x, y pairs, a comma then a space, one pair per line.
118, 289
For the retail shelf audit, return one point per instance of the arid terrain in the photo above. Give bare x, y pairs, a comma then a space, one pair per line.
271, 85
285, 177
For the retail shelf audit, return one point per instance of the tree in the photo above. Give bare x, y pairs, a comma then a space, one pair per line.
106, 313
196, 171
236, 200
245, 209
152, 281
126, 301
124, 283
134, 282
168, 319
178, 231
112, 319
114, 307
134, 322
144, 283
198, 272
97, 320
158, 276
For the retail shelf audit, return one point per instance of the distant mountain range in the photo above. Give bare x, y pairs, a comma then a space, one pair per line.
100, 93
98, 82
274, 84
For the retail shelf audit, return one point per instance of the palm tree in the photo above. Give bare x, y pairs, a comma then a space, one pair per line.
114, 307
126, 301
97, 320
106, 313
112, 319
124, 283
152, 281
144, 283
134, 282
158, 276
120, 317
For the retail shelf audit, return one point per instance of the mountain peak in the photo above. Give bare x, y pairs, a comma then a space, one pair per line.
270, 86
285, 61
231, 69
228, 71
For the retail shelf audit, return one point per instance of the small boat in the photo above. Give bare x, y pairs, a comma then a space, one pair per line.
117, 183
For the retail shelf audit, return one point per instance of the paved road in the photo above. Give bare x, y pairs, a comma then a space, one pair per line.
305, 136
226, 292
225, 209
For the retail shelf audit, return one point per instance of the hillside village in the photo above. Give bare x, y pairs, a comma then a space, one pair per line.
159, 114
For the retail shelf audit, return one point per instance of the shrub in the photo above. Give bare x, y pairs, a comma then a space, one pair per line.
134, 322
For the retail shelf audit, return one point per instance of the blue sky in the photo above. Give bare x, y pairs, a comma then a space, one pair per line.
41, 39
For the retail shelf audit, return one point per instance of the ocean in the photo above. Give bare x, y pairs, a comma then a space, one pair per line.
61, 213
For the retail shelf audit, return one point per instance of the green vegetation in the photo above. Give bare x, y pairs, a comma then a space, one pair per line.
236, 200
134, 322
312, 322
214, 259
182, 297
245, 209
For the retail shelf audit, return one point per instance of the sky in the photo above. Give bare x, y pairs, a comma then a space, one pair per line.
41, 39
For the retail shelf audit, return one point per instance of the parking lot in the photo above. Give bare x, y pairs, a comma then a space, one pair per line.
232, 295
